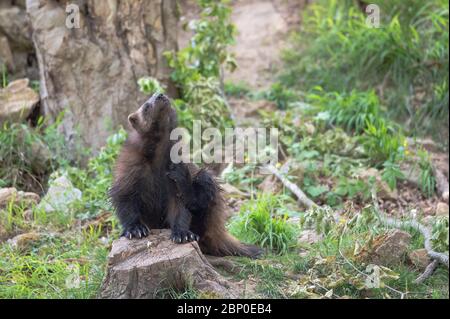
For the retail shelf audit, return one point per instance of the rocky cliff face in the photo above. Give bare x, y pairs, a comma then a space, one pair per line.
16, 47
91, 71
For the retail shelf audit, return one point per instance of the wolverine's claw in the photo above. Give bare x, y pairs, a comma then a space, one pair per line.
136, 231
183, 236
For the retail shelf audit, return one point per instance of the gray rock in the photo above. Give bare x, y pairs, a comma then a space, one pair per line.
309, 236
11, 194
92, 71
16, 45
442, 209
24, 241
390, 248
419, 258
17, 101
60, 195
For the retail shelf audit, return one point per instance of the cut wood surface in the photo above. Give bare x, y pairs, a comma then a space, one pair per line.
150, 267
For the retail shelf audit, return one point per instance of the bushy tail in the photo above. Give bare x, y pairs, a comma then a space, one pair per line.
224, 244
209, 218
215, 239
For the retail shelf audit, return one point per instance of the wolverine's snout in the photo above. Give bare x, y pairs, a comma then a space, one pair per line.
132, 118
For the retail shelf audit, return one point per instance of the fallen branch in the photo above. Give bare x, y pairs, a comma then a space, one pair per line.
428, 272
440, 257
301, 196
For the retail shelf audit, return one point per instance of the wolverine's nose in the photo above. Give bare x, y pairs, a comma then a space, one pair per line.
161, 96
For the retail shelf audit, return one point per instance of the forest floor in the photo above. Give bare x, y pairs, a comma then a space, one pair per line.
263, 30
319, 253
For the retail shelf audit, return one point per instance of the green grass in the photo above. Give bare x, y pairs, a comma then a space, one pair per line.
406, 57
263, 222
335, 273
240, 89
45, 269
64, 250
28, 155
269, 274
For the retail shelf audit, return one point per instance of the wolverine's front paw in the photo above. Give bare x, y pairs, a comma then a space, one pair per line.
183, 236
135, 231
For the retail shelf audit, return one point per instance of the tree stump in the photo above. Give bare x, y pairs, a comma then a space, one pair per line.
145, 268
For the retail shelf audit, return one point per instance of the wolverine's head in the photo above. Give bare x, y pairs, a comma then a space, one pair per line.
156, 109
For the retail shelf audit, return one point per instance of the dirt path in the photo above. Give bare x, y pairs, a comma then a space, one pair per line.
263, 27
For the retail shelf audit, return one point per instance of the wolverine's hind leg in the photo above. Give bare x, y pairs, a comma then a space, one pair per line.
206, 191
196, 191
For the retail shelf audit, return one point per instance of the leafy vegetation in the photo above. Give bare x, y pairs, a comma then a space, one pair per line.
198, 68
348, 98
68, 259
406, 58
262, 222
21, 150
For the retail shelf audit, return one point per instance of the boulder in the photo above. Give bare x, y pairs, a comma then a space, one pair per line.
60, 194
16, 46
11, 194
144, 268
91, 69
309, 236
419, 258
384, 191
442, 209
17, 101
6, 56
388, 249
24, 241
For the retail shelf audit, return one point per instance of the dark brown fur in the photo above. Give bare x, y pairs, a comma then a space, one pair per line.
151, 192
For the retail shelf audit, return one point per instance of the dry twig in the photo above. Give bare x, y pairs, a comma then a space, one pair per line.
301, 196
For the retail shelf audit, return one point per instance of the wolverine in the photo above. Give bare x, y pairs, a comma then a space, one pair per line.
152, 192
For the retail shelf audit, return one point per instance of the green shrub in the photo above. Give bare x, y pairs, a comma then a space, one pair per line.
361, 113
406, 57
281, 95
197, 69
351, 111
382, 144
28, 155
95, 180
427, 180
150, 85
207, 51
240, 89
262, 222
